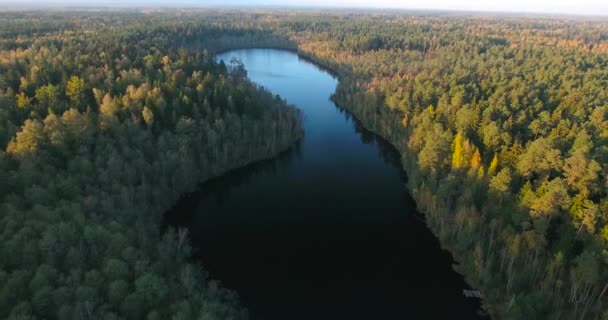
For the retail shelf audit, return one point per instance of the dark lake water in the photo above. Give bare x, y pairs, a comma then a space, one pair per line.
326, 230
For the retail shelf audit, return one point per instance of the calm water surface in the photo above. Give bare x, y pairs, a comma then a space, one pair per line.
326, 230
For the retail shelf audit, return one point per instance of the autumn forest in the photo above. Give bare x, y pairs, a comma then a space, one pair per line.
107, 118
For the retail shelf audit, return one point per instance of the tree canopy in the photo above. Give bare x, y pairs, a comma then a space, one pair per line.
105, 120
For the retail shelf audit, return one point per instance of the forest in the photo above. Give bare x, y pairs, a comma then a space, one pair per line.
104, 123
106, 119
502, 124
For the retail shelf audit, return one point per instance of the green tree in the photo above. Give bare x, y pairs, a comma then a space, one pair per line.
539, 158
491, 136
152, 288
47, 97
500, 183
117, 291
435, 152
552, 196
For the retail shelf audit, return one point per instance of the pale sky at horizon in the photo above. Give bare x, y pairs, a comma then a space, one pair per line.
550, 6
589, 7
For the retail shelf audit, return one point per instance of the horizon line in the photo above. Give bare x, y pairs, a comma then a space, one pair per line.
20, 6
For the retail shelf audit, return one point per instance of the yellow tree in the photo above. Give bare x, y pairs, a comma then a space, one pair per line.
481, 172
476, 160
458, 153
493, 165
148, 116
75, 89
476, 164
107, 112
431, 111
23, 101
27, 141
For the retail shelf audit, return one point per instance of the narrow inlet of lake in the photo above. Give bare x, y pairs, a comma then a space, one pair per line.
327, 229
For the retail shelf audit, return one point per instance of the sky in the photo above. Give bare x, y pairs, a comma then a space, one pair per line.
585, 7
545, 6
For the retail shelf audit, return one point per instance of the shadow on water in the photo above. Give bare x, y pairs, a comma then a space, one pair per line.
220, 187
328, 234
386, 151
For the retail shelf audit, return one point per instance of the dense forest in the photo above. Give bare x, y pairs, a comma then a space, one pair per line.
503, 128
105, 120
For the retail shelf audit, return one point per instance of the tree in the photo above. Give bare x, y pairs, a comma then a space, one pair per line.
133, 306
493, 165
539, 158
148, 116
580, 171
108, 110
500, 183
55, 130
28, 140
476, 160
584, 213
108, 105
78, 126
584, 275
152, 288
47, 97
42, 301
491, 136
458, 152
116, 269
75, 90
551, 197
117, 291
237, 68
435, 151
23, 101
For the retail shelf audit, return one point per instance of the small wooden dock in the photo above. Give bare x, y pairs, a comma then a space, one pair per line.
471, 294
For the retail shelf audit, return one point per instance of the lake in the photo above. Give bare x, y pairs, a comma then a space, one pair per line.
326, 230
